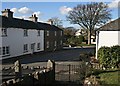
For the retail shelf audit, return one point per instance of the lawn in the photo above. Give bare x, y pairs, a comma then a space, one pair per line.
110, 78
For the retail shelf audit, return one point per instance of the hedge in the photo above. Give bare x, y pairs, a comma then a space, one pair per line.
109, 56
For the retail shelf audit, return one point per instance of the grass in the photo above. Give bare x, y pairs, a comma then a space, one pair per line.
110, 78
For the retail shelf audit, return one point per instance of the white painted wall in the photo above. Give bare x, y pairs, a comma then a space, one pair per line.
16, 40
107, 38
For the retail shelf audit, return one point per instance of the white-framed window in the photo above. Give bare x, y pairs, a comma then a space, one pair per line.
55, 44
61, 33
38, 32
47, 44
55, 33
38, 46
47, 33
5, 50
4, 32
61, 42
25, 32
25, 48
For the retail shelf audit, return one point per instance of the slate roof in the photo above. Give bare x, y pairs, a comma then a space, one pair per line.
25, 24
111, 26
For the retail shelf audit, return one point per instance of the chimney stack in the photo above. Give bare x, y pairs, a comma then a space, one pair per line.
50, 21
33, 18
7, 13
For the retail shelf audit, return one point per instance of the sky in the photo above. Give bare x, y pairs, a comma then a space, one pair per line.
47, 10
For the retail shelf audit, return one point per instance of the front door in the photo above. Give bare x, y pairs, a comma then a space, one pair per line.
33, 47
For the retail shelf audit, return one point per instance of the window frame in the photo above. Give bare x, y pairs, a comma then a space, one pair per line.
25, 48
55, 43
0, 50
38, 31
25, 32
61, 33
38, 46
55, 33
61, 42
48, 44
5, 51
48, 33
4, 32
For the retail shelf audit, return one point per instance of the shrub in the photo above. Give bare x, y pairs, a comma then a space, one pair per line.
75, 40
104, 56
115, 55
109, 56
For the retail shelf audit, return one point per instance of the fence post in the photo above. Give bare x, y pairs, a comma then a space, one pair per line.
51, 65
18, 70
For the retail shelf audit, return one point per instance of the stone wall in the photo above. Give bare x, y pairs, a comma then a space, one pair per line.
37, 78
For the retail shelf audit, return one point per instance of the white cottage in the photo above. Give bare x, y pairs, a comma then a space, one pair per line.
108, 35
22, 37
18, 36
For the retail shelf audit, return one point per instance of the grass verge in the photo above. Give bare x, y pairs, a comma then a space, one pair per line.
110, 78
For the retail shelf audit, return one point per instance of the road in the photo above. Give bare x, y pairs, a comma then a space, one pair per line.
67, 54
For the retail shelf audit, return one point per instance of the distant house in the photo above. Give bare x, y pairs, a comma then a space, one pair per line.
108, 35
83, 32
80, 32
21, 37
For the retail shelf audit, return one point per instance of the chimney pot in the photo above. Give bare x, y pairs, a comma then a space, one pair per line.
8, 9
7, 13
33, 18
34, 15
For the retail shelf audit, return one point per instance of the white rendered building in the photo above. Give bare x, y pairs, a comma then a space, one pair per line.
20, 37
108, 35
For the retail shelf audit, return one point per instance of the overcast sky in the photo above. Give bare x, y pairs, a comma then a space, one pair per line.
47, 10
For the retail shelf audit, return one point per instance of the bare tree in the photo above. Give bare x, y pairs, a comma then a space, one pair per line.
89, 15
56, 21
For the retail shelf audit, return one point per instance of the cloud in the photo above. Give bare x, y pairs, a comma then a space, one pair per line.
25, 10
15, 10
65, 9
114, 4
22, 10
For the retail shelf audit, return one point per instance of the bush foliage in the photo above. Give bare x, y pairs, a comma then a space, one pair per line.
75, 40
109, 56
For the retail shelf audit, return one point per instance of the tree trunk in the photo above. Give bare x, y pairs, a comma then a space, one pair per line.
89, 37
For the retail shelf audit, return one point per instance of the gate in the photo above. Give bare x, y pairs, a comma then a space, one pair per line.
68, 72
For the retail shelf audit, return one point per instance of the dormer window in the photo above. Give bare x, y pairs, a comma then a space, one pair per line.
25, 32
4, 32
